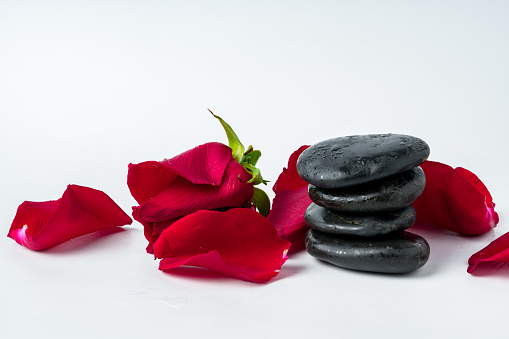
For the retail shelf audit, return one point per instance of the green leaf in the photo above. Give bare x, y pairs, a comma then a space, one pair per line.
261, 201
233, 140
256, 175
253, 171
251, 157
249, 149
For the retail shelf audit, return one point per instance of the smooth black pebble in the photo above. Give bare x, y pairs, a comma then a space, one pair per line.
354, 160
359, 224
400, 253
387, 194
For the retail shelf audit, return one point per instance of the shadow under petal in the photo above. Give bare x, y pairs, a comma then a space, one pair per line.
288, 270
86, 241
198, 273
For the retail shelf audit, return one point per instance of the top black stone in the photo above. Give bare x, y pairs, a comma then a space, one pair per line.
357, 159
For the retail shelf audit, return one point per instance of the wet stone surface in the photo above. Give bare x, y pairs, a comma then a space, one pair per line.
358, 224
402, 252
354, 160
387, 194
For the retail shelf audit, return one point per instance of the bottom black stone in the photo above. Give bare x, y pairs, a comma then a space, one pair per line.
399, 253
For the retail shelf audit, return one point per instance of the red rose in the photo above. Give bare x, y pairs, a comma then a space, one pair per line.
81, 210
179, 201
203, 178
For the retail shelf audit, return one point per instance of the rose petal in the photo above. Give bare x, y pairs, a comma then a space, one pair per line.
213, 155
239, 242
496, 251
290, 203
287, 214
477, 183
148, 179
204, 164
81, 210
35, 214
183, 197
455, 199
152, 230
290, 179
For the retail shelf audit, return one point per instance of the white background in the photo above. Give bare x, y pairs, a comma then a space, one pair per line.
86, 87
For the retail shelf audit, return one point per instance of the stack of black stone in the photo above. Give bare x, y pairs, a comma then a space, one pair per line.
362, 188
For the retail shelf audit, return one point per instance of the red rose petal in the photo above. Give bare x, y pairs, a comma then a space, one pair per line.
213, 155
204, 164
239, 242
455, 199
290, 179
81, 210
148, 179
496, 251
152, 230
35, 214
183, 197
147, 226
477, 183
290, 203
287, 214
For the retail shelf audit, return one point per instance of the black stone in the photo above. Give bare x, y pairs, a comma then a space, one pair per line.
354, 160
386, 194
399, 253
359, 224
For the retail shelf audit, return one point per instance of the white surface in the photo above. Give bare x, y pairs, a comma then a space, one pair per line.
88, 87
